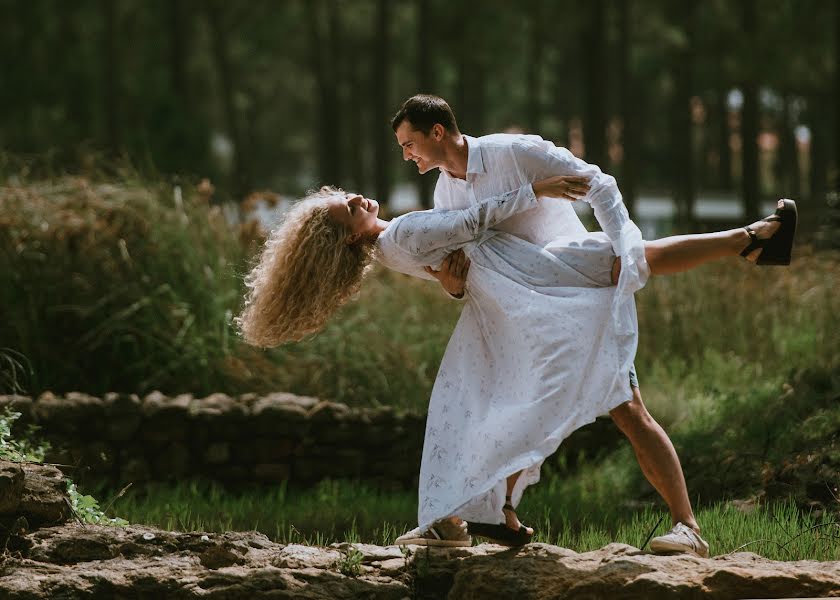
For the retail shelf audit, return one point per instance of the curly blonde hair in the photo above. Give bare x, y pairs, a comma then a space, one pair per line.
305, 272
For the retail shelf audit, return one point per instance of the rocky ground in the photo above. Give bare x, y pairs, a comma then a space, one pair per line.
49, 554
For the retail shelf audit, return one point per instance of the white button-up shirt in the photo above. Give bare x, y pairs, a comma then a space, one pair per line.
500, 163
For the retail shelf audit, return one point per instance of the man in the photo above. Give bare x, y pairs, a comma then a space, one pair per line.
472, 169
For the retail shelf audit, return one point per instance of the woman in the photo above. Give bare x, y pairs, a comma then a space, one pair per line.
537, 352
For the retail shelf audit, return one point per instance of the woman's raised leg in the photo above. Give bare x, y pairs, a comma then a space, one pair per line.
678, 253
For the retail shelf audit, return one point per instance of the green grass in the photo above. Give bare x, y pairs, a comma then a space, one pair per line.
337, 511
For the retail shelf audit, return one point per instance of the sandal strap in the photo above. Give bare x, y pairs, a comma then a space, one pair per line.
508, 507
755, 243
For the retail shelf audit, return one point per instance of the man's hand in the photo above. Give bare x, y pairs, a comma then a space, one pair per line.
453, 273
570, 187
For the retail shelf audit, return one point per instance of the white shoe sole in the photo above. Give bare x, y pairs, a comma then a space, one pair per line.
428, 542
668, 547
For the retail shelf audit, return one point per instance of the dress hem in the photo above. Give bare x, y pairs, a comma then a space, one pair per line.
533, 458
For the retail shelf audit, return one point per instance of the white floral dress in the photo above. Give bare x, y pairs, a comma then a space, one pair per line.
539, 350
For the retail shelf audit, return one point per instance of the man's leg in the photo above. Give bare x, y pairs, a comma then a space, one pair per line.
656, 456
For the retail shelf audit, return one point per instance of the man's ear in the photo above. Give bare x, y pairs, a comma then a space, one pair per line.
438, 131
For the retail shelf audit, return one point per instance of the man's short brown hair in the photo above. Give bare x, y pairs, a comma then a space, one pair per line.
423, 111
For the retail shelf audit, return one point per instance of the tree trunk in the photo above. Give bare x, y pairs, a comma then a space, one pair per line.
818, 114
627, 100
221, 60
724, 133
326, 76
837, 94
177, 52
595, 114
682, 173
381, 133
534, 66
356, 137
749, 118
110, 99
425, 84
787, 165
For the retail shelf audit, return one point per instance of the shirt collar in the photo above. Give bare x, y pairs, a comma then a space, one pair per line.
475, 162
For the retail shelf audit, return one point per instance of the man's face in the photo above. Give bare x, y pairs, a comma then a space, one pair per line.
425, 150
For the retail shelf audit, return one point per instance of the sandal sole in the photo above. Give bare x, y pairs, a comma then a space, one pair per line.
489, 531
779, 248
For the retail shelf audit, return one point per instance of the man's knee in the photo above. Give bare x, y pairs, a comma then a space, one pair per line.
632, 416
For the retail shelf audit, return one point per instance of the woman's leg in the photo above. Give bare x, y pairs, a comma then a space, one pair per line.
683, 252
511, 520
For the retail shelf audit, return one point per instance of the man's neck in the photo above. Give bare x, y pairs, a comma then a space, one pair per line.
456, 157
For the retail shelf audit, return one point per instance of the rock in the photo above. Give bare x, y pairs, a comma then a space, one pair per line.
66, 414
18, 404
271, 472
104, 562
278, 415
325, 411
37, 493
221, 417
135, 470
123, 415
217, 454
167, 419
263, 450
173, 462
11, 487
44, 498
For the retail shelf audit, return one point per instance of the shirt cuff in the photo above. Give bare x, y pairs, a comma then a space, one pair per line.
634, 274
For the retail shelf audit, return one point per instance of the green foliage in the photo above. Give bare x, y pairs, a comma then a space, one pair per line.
24, 448
86, 507
154, 279
350, 564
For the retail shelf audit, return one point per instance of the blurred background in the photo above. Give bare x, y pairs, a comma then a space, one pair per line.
146, 146
702, 110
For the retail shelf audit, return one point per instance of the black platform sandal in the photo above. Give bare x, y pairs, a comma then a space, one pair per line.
778, 247
501, 533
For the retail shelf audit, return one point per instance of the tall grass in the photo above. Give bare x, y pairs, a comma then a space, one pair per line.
133, 287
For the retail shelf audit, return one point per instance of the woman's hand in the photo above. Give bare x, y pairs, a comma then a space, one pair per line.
570, 187
453, 273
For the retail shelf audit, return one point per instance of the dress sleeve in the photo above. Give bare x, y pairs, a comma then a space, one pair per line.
541, 159
423, 232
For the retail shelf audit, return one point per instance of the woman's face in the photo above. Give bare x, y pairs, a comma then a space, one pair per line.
357, 214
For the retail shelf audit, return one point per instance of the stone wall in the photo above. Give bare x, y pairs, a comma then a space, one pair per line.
244, 439
272, 438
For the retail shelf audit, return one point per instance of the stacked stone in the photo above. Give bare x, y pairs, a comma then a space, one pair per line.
249, 438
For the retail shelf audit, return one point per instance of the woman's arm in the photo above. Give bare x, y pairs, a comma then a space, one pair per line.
425, 231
